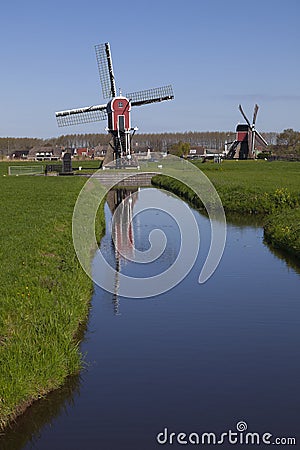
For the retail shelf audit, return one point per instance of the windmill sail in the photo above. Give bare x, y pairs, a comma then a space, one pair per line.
244, 115
260, 139
150, 96
81, 115
106, 72
255, 114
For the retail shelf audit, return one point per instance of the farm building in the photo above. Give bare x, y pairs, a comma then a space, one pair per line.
196, 152
45, 153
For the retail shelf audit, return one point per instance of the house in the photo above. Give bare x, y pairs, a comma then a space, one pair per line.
94, 152
212, 153
81, 152
196, 152
100, 151
20, 154
45, 153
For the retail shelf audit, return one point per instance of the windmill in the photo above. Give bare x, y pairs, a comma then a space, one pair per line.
248, 138
118, 108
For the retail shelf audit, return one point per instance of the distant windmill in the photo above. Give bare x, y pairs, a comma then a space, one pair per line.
118, 108
248, 137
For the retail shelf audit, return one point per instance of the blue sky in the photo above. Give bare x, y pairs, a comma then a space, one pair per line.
215, 53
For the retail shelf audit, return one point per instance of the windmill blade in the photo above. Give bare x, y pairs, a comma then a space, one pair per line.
150, 96
106, 72
255, 114
244, 115
81, 115
260, 139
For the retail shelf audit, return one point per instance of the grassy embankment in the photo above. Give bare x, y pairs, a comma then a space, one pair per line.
44, 293
271, 190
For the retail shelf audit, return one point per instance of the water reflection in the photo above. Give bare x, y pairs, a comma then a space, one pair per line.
290, 260
27, 427
257, 221
141, 240
122, 232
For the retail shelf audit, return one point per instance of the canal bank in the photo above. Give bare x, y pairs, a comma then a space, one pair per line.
45, 294
278, 209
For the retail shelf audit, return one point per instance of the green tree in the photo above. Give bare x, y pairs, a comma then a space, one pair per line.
180, 149
289, 141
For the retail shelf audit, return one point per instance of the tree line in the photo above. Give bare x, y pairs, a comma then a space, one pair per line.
285, 143
159, 141
288, 143
9, 145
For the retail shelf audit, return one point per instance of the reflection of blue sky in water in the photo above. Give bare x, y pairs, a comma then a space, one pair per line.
143, 224
173, 250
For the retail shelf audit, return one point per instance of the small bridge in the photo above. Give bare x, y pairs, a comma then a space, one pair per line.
110, 177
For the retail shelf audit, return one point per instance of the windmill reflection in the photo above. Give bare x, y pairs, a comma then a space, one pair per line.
121, 204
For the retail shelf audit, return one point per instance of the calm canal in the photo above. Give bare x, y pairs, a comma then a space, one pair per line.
196, 359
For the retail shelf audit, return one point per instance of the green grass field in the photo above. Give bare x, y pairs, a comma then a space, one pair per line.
45, 294
258, 174
255, 186
282, 230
